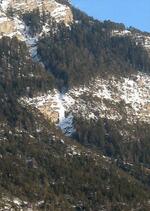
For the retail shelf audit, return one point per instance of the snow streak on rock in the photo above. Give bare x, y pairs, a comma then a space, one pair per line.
55, 102
113, 98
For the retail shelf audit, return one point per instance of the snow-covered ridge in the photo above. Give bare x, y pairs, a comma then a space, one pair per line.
113, 98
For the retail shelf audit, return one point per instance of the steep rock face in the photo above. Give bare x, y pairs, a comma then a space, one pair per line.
7, 27
59, 11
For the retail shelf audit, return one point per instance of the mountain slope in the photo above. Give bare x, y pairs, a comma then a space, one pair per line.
107, 78
74, 118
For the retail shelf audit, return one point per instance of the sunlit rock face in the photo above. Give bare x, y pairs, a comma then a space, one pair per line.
14, 26
58, 11
7, 26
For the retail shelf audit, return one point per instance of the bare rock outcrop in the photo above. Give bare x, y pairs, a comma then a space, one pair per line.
59, 11
7, 27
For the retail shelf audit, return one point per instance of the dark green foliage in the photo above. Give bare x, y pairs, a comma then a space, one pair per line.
90, 132
10, 12
18, 73
88, 49
135, 55
104, 135
38, 168
35, 166
33, 21
65, 2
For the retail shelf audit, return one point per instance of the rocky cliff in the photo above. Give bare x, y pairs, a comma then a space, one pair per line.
60, 13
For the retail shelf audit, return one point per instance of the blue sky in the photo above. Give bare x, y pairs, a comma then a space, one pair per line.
134, 13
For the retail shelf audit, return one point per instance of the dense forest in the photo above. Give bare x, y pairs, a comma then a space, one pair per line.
19, 74
104, 135
88, 49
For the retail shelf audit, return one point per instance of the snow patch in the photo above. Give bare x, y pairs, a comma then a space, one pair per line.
4, 4
58, 102
114, 99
